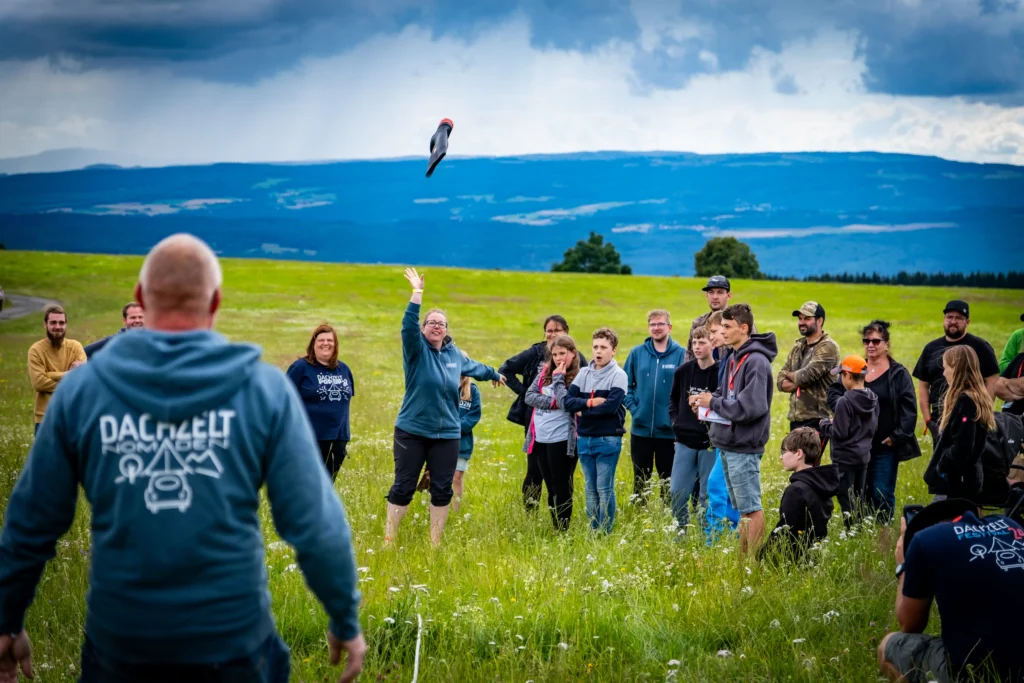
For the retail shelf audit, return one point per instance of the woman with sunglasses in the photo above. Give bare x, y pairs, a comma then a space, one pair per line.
428, 430
894, 441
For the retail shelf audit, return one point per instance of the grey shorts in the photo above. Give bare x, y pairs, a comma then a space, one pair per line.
919, 657
462, 465
743, 479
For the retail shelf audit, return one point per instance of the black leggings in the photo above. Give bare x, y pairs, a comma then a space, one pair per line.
333, 454
411, 453
647, 454
533, 481
558, 470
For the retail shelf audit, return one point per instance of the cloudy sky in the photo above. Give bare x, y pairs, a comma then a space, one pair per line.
248, 80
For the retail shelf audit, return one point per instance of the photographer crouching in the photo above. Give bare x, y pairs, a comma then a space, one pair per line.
973, 567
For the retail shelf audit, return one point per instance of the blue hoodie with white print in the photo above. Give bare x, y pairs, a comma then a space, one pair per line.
171, 436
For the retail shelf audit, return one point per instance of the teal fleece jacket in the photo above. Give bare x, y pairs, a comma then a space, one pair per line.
171, 436
649, 384
430, 407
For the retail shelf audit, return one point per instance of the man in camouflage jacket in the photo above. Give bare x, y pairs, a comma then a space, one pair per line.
805, 375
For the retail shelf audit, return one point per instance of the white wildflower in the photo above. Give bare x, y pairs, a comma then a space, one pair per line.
292, 567
829, 616
747, 590
674, 662
775, 624
388, 620
564, 646
363, 569
797, 641
724, 653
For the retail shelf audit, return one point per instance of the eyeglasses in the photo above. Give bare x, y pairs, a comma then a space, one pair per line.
657, 325
435, 323
872, 342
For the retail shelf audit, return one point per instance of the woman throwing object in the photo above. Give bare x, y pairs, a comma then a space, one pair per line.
428, 429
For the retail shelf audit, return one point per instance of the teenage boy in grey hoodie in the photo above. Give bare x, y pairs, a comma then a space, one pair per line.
171, 433
745, 400
851, 431
596, 396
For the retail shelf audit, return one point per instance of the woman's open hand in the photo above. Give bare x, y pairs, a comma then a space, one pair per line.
415, 279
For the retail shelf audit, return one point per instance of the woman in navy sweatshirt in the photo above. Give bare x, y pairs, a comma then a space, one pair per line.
326, 387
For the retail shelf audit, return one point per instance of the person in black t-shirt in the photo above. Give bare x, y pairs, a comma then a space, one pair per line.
973, 568
931, 386
693, 458
1010, 387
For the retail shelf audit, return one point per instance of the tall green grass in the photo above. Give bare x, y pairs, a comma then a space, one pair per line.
506, 599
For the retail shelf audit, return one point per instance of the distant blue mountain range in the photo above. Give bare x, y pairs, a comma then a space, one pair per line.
802, 214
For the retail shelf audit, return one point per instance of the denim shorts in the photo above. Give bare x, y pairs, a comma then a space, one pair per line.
462, 465
743, 477
918, 656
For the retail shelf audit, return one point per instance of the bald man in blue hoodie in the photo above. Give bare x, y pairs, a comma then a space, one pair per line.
171, 435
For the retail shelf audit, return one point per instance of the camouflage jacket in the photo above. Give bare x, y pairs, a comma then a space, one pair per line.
811, 363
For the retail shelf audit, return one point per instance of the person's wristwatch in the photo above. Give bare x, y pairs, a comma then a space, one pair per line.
899, 570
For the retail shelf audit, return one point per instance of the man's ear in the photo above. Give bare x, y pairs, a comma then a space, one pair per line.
138, 295
215, 301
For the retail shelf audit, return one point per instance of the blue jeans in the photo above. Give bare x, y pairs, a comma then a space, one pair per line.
270, 663
882, 471
722, 516
599, 456
688, 465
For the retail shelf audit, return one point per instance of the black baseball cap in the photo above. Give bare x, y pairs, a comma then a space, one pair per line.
959, 306
717, 282
940, 511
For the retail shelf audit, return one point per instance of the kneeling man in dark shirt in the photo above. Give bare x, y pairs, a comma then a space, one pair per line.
973, 567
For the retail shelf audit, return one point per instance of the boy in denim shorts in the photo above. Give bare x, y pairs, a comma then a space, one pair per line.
744, 400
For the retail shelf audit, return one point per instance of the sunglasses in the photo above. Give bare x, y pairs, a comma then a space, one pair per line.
872, 342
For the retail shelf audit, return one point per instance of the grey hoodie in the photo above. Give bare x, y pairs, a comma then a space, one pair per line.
853, 428
745, 397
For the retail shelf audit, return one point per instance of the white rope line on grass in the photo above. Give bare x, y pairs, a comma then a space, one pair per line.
419, 637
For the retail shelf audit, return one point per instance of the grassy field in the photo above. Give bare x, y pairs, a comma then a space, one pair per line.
506, 599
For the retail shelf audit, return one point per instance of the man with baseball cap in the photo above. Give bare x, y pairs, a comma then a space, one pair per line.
972, 567
931, 384
805, 374
1014, 346
718, 292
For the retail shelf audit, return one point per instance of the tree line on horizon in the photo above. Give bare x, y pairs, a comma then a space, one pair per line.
730, 257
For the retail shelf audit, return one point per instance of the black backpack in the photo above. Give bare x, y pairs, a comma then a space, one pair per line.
1001, 446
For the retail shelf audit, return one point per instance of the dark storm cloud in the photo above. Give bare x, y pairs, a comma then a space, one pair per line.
971, 48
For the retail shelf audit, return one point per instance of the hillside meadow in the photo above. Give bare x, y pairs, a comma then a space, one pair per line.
506, 599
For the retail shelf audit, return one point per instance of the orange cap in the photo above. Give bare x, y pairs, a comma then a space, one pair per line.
853, 364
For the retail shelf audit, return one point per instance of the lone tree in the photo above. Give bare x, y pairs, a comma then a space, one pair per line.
726, 256
592, 256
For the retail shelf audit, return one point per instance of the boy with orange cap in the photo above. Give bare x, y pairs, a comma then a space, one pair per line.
851, 432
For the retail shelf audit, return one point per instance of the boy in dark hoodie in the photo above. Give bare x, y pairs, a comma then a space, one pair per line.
745, 400
806, 505
851, 431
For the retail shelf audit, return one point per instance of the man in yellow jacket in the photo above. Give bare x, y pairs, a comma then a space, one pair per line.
50, 358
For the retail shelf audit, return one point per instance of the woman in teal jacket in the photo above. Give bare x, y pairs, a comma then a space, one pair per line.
428, 430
